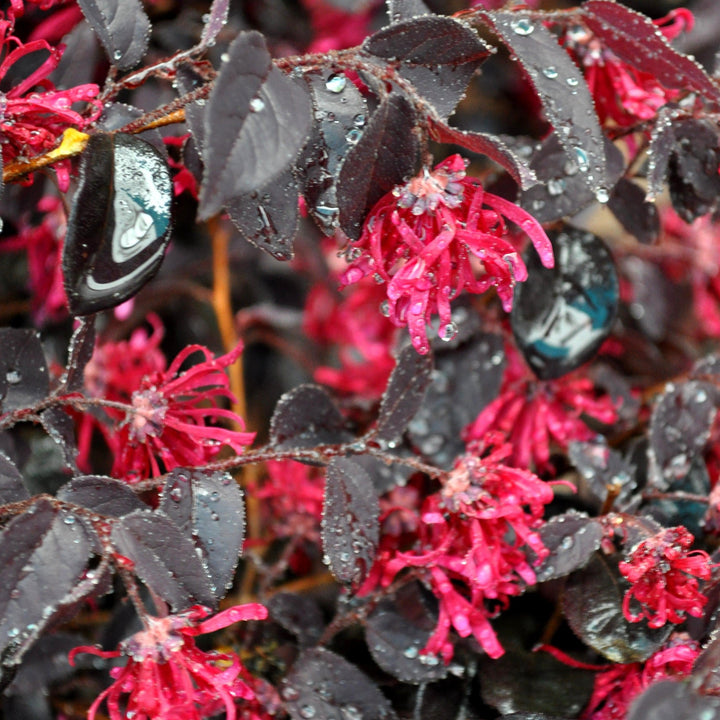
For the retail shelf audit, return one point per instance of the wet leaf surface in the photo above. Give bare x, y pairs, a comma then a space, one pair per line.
103, 495
12, 487
24, 377
668, 700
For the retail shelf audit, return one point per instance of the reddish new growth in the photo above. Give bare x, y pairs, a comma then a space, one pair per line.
532, 413
472, 542
623, 94
168, 678
433, 238
33, 113
664, 578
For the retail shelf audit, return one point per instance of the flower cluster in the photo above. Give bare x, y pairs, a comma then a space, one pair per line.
168, 678
530, 413
474, 533
433, 238
664, 578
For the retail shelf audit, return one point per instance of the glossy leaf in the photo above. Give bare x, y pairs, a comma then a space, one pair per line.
164, 558
350, 525
299, 615
636, 40
307, 416
12, 487
565, 97
209, 507
324, 685
638, 216
669, 700
593, 608
24, 377
122, 27
562, 315
119, 224
102, 495
385, 156
61, 428
256, 121
214, 22
404, 393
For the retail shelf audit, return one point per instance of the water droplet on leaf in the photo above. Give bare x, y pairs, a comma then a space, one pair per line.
336, 83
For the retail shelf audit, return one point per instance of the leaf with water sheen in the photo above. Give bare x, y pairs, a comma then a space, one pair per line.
256, 121
214, 22
670, 700
119, 224
103, 495
24, 377
12, 487
123, 29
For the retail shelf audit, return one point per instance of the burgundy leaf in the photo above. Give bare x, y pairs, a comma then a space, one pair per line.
12, 487
565, 97
571, 538
638, 216
662, 143
341, 113
82, 346
669, 700
399, 10
307, 416
350, 526
23, 370
256, 121
214, 22
404, 393
492, 146
636, 40
603, 468
61, 428
210, 508
299, 615
164, 558
36, 577
326, 685
119, 225
385, 156
102, 495
123, 29
593, 607
268, 217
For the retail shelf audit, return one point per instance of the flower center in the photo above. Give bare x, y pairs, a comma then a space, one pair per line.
148, 419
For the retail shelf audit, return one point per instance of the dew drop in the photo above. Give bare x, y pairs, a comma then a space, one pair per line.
449, 332
225, 57
307, 711
582, 159
550, 72
176, 493
117, 55
256, 105
13, 377
385, 308
522, 26
411, 652
556, 186
69, 519
353, 135
602, 195
336, 83
359, 120
290, 693
572, 81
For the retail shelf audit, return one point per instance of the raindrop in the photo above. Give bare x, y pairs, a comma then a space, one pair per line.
214, 496
225, 57
336, 83
582, 159
411, 653
69, 519
449, 332
550, 72
13, 632
359, 120
572, 81
290, 693
256, 105
522, 26
353, 135
307, 711
385, 308
556, 186
350, 712
176, 493
602, 195
117, 55
13, 377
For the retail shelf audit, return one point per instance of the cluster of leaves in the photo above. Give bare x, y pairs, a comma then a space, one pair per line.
546, 469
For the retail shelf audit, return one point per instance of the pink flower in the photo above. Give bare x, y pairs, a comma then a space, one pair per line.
472, 542
530, 413
168, 678
664, 578
361, 336
33, 114
433, 238
171, 416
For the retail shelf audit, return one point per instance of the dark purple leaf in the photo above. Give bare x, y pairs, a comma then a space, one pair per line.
492, 146
299, 615
662, 143
465, 380
119, 224
679, 428
188, 80
562, 315
256, 121
670, 700
561, 88
571, 538
82, 345
341, 114
706, 671
164, 558
652, 296
306, 416
693, 169
12, 488
636, 40
214, 22
61, 428
324, 685
102, 495
210, 508
350, 525
534, 682
385, 156
404, 393
268, 217
36, 579
593, 608
396, 639
399, 10
638, 216
122, 27
23, 370
603, 469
